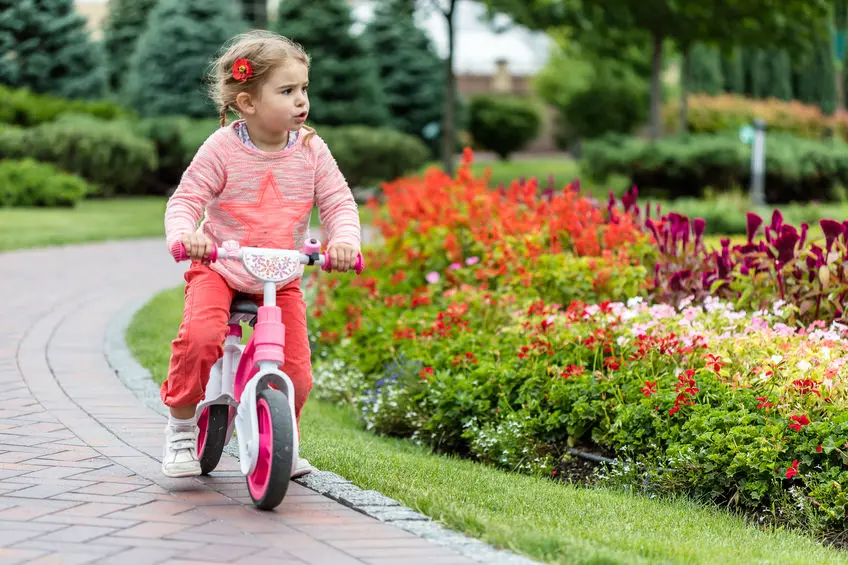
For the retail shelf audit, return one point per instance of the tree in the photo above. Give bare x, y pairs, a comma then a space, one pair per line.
705, 70
344, 87
125, 23
777, 74
409, 70
790, 23
46, 48
255, 12
169, 66
733, 72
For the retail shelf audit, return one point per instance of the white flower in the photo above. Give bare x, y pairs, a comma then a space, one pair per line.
804, 365
776, 359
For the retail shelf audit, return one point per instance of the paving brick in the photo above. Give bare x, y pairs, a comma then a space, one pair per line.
77, 533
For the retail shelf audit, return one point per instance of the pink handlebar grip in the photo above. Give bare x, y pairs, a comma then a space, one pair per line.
180, 253
358, 267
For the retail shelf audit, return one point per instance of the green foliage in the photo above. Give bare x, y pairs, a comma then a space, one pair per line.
733, 72
124, 24
25, 108
503, 124
27, 182
753, 63
344, 87
593, 96
367, 156
167, 71
46, 48
408, 68
705, 72
777, 74
815, 78
796, 169
106, 154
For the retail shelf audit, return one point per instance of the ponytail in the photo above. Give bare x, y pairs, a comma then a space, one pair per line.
224, 115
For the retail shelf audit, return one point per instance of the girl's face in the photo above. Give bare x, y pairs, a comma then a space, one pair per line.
282, 104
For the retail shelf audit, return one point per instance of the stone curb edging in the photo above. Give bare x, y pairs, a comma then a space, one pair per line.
369, 502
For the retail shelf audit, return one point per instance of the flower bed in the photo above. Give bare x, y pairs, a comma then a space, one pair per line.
508, 327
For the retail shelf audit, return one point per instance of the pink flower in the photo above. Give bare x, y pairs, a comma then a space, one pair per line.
433, 277
472, 261
455, 266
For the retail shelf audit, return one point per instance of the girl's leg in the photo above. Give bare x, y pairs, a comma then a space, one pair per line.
197, 347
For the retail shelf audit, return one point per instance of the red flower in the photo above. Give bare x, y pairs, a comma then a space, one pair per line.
649, 388
426, 371
242, 70
573, 371
793, 470
819, 449
764, 403
800, 422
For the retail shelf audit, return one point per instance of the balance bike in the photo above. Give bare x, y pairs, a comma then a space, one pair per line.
247, 389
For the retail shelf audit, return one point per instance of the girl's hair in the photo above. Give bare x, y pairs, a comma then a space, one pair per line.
265, 51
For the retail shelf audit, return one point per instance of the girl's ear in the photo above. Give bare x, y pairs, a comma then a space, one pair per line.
245, 104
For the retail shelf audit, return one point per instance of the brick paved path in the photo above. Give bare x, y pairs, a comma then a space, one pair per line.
79, 454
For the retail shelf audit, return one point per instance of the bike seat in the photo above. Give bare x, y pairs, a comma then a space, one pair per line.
243, 310
244, 306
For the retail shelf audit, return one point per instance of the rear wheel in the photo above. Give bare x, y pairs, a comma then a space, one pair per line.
270, 479
212, 436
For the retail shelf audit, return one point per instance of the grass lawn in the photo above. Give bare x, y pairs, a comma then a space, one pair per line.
91, 220
549, 521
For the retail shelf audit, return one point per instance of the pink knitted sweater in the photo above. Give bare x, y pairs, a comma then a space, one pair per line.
260, 199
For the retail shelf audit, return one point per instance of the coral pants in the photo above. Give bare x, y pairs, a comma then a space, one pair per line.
199, 343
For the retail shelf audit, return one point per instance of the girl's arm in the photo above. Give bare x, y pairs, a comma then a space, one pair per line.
336, 206
202, 181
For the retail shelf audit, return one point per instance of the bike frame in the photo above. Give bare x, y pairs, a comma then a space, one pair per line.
244, 370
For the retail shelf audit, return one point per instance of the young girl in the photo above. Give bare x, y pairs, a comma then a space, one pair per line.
256, 180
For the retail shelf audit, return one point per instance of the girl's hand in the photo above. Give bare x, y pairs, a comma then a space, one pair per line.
342, 257
197, 245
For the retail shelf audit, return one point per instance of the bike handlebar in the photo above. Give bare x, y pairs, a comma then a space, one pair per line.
310, 254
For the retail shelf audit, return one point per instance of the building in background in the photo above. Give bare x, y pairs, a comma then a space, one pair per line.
485, 60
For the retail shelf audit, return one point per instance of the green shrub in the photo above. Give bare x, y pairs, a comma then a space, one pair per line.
368, 156
107, 154
30, 183
796, 169
25, 108
168, 135
615, 101
503, 124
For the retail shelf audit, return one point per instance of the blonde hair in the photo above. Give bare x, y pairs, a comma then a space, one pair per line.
266, 52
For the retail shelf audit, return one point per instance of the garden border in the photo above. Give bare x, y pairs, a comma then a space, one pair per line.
369, 502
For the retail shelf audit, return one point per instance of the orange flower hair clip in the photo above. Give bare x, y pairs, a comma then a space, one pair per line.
242, 70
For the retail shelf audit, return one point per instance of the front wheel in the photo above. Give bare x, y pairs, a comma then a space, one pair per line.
270, 479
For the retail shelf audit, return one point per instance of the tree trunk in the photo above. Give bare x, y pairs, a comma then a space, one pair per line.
449, 114
656, 86
685, 68
255, 12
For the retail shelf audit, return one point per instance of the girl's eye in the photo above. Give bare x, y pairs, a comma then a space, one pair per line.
287, 91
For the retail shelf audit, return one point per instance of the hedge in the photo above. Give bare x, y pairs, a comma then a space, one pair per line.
677, 166
25, 108
715, 114
106, 154
27, 182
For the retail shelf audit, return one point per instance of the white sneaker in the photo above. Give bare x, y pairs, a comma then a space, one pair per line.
179, 458
303, 468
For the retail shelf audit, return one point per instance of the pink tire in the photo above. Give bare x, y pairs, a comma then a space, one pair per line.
270, 479
212, 436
